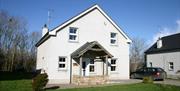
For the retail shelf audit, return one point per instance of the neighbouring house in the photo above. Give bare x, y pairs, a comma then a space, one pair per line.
88, 47
165, 53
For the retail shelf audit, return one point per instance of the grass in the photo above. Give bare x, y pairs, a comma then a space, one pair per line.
24, 84
16, 85
131, 87
15, 81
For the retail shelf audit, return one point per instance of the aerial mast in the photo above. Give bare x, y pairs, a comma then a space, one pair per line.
49, 17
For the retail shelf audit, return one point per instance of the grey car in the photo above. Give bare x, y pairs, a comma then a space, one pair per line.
154, 72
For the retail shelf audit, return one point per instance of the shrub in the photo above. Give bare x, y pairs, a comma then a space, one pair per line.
148, 79
39, 82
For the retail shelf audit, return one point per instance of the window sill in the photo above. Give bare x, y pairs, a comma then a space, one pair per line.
92, 72
113, 44
113, 72
62, 69
73, 41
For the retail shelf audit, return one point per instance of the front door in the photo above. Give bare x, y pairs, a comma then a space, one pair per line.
84, 68
99, 66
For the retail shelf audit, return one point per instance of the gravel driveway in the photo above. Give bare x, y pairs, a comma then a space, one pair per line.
169, 81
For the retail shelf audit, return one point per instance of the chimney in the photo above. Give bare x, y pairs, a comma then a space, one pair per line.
44, 30
159, 43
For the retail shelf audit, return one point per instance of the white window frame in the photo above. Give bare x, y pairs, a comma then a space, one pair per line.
115, 38
171, 66
91, 65
115, 65
73, 34
65, 63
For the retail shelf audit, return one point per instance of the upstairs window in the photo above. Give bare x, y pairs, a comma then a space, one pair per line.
171, 66
113, 64
73, 34
62, 63
113, 38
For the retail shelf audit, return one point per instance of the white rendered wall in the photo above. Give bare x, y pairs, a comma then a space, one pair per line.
162, 60
92, 27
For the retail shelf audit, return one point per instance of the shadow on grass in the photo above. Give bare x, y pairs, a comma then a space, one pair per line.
51, 88
153, 80
16, 75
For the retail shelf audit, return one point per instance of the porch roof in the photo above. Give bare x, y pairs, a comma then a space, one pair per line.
93, 46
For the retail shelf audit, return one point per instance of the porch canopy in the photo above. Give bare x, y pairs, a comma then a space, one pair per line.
91, 49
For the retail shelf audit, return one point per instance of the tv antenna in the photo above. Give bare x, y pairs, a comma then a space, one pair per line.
50, 11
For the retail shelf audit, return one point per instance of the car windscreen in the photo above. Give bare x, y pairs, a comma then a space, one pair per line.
151, 70
159, 70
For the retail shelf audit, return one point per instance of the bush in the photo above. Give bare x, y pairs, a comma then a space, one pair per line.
148, 79
39, 82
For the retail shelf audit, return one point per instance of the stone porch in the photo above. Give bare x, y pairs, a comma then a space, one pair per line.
89, 80
91, 50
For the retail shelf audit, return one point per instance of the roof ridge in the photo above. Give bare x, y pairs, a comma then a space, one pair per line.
170, 43
171, 35
54, 31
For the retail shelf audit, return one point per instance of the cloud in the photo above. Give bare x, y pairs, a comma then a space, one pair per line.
165, 31
178, 26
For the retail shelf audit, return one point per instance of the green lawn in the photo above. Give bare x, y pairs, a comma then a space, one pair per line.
132, 87
15, 81
22, 82
25, 85
16, 85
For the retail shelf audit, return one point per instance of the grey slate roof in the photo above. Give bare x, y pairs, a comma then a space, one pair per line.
169, 43
84, 48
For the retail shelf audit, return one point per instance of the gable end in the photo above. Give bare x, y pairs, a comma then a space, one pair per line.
54, 31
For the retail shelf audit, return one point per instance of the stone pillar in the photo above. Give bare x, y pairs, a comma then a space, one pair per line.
80, 66
103, 65
106, 65
71, 70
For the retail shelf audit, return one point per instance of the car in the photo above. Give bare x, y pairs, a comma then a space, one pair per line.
154, 72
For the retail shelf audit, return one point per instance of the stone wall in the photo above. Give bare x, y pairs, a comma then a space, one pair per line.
90, 80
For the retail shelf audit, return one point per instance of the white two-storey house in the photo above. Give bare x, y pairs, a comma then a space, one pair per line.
90, 45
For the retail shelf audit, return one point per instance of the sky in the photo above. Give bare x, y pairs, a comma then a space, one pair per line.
146, 19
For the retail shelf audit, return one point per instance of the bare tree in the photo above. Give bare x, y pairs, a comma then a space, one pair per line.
137, 53
16, 43
32, 40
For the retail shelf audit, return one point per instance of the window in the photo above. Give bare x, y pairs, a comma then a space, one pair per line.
73, 34
113, 64
150, 63
62, 62
113, 39
171, 66
91, 66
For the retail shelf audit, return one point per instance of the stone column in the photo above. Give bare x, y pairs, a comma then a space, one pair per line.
103, 65
106, 65
80, 64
